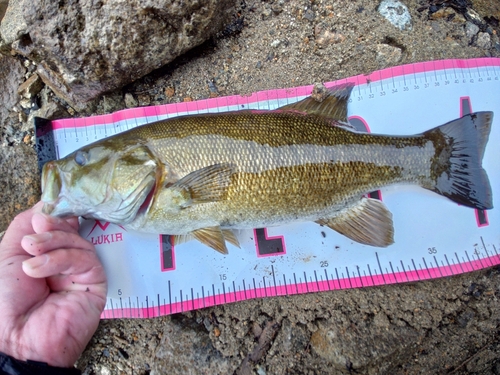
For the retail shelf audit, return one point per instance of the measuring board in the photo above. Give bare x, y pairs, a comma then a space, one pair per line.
149, 275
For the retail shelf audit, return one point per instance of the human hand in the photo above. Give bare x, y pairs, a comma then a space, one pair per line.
50, 303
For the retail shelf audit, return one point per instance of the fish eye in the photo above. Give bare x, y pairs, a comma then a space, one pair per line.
81, 158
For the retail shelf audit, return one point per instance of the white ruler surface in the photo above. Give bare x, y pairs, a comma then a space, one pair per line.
434, 237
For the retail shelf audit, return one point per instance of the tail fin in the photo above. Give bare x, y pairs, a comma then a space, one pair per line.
456, 167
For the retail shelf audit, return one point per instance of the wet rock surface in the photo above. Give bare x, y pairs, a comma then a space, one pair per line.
443, 326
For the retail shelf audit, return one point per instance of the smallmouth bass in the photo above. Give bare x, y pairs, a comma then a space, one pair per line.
202, 176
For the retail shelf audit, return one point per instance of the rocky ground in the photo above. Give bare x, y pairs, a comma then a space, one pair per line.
445, 326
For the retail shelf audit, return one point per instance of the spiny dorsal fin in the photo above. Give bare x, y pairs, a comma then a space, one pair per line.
368, 222
205, 185
332, 106
212, 237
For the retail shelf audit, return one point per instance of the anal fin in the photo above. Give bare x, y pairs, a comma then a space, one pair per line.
213, 237
367, 222
230, 237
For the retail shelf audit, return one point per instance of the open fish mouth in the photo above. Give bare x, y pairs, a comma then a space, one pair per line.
51, 187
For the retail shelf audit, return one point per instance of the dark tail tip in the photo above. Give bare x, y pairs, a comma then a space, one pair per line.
457, 167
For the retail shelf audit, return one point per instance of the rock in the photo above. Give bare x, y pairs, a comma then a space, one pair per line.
32, 86
169, 92
84, 49
275, 43
443, 13
326, 37
387, 55
471, 29
11, 73
483, 40
472, 16
185, 343
364, 346
13, 24
309, 15
19, 179
266, 13
51, 111
3, 7
130, 101
277, 9
396, 13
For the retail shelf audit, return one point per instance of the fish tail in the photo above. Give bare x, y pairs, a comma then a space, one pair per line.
456, 168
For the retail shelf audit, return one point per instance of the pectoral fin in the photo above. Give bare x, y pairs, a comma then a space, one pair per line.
368, 222
209, 236
332, 104
205, 185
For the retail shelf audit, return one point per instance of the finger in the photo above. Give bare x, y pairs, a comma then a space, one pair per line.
46, 223
40, 243
61, 262
92, 281
73, 221
19, 227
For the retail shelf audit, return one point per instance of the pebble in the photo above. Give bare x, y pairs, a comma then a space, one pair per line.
387, 55
327, 37
483, 40
130, 101
169, 92
396, 13
277, 9
309, 15
275, 43
266, 13
26, 103
144, 99
103, 370
471, 29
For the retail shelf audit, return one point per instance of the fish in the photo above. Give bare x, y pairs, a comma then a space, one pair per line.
204, 176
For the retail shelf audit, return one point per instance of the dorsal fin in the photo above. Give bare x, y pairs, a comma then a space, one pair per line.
331, 104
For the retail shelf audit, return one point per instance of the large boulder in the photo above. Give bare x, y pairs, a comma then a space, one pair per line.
87, 47
11, 75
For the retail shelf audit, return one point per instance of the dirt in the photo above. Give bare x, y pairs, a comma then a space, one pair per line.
443, 326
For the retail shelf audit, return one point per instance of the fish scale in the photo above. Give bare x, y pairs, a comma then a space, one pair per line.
277, 180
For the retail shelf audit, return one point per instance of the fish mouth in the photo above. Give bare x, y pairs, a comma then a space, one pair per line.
51, 187
48, 208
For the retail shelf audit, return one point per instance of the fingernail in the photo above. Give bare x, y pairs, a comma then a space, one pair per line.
39, 238
50, 219
36, 262
37, 208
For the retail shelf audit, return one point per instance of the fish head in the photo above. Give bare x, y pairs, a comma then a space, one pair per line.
100, 181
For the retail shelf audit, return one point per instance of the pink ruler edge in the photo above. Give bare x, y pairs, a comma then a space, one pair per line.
261, 96
353, 281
